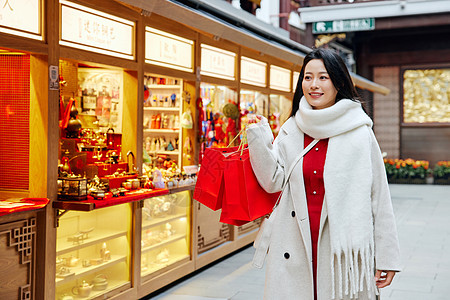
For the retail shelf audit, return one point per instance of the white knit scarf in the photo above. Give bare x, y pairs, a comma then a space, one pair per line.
348, 182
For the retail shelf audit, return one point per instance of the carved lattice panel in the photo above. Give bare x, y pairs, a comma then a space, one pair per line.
249, 226
210, 232
17, 250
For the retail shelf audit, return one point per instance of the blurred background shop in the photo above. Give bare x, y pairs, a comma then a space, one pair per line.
107, 107
401, 45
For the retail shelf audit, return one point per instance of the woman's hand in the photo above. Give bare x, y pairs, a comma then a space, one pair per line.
384, 278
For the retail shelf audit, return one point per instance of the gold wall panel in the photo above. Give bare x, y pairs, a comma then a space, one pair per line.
426, 95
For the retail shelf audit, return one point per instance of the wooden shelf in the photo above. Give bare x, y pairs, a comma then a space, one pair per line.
174, 238
183, 188
162, 131
174, 152
159, 221
96, 236
173, 259
164, 86
159, 108
109, 200
81, 271
112, 285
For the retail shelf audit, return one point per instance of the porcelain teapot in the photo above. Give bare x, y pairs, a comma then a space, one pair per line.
100, 282
83, 289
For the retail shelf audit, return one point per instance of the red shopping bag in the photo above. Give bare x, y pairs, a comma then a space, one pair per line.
210, 185
244, 199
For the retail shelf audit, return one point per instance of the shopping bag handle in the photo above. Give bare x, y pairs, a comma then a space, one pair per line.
243, 140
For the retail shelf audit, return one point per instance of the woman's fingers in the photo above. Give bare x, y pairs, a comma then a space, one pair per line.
383, 278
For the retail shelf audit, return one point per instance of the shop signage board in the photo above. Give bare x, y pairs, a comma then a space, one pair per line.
343, 25
217, 62
253, 71
22, 18
295, 77
92, 30
168, 50
280, 78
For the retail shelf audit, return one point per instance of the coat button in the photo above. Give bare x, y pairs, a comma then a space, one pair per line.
314, 192
317, 149
315, 172
293, 213
286, 255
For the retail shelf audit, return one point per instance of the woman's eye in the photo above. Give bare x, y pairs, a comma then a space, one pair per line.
323, 77
307, 77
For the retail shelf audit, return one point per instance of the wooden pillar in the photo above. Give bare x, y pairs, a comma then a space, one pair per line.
46, 243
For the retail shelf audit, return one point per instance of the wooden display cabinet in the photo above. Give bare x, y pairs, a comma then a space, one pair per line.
93, 252
166, 233
163, 108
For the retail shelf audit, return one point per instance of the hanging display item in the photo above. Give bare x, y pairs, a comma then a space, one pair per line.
218, 116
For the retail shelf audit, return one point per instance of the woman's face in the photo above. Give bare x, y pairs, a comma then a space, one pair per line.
317, 86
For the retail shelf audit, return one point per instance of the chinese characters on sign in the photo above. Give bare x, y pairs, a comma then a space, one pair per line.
92, 30
168, 50
253, 71
217, 62
95, 31
7, 4
344, 25
280, 78
22, 22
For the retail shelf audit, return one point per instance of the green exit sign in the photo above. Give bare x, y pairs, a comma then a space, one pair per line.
344, 25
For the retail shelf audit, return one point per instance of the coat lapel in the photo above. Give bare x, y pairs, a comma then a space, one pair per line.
293, 145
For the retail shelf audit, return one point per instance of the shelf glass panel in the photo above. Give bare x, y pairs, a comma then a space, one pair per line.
93, 244
166, 232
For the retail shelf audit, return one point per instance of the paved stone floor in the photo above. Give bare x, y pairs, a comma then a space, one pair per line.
423, 219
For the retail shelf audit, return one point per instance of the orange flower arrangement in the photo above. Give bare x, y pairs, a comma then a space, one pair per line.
406, 169
441, 171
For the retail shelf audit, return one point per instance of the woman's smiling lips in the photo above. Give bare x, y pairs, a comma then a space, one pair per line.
315, 95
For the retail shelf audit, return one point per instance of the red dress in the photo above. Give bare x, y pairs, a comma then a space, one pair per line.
313, 163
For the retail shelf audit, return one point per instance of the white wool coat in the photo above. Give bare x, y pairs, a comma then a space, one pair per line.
289, 259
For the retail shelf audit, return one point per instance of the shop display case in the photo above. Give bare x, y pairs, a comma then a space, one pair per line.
280, 107
163, 110
93, 252
166, 232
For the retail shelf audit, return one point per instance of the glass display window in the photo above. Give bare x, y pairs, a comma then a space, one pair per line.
426, 96
100, 92
253, 103
91, 115
163, 114
93, 251
166, 232
279, 111
219, 115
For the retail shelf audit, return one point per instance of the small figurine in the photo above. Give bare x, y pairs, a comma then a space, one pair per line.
104, 253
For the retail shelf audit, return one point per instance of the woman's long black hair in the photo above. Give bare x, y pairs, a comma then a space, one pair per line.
337, 70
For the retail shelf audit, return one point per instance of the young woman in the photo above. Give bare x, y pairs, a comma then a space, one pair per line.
333, 234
